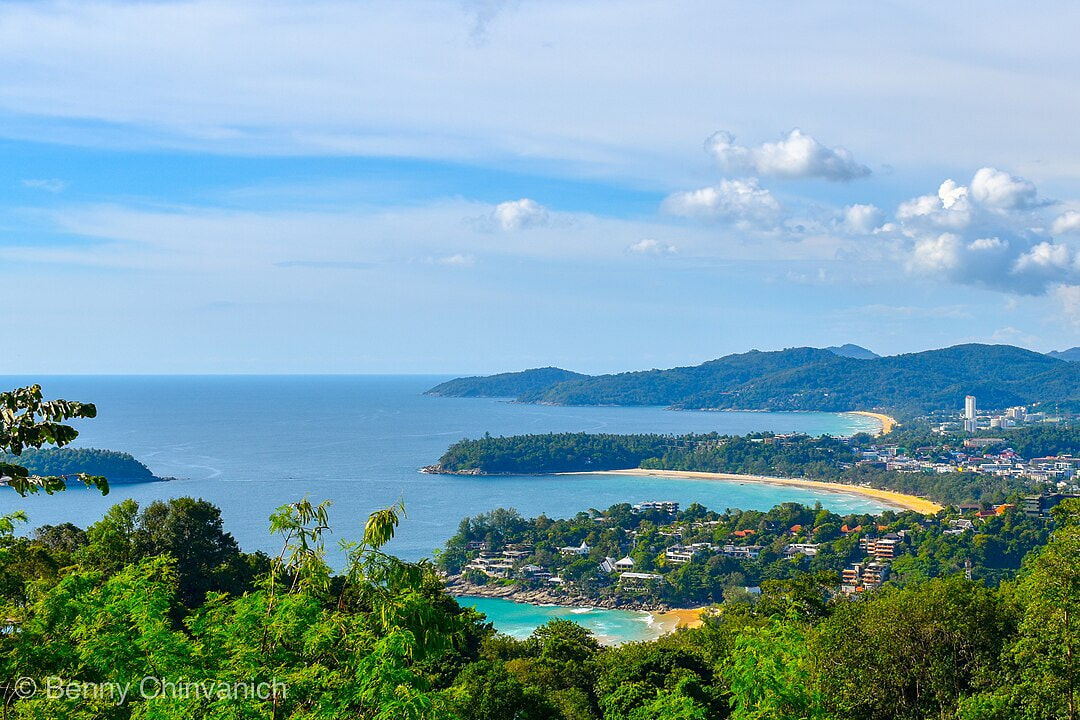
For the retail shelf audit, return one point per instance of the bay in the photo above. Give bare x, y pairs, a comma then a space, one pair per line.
250, 444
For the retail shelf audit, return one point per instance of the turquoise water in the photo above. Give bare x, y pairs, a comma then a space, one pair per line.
610, 626
252, 444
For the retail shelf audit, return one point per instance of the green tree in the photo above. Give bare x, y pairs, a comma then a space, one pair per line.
768, 672
29, 421
1046, 653
910, 652
191, 532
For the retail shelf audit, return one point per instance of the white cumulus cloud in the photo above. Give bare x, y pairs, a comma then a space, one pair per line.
796, 155
990, 233
1068, 222
999, 190
518, 214
742, 202
861, 219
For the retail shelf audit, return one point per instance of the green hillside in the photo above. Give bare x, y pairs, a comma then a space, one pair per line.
811, 379
511, 384
118, 467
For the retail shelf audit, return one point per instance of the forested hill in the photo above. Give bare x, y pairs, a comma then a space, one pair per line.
825, 458
511, 384
117, 467
810, 379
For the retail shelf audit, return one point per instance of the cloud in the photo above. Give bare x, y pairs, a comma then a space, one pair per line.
797, 155
990, 233
1015, 265
861, 219
1014, 336
48, 185
649, 246
949, 208
999, 190
741, 202
1069, 297
519, 214
819, 277
483, 14
456, 260
1068, 222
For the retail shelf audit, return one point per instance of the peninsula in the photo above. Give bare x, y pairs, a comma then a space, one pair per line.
939, 471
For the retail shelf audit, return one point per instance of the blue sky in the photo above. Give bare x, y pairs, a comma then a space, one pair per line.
453, 187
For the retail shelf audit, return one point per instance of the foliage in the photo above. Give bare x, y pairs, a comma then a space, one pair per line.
768, 672
28, 421
381, 639
117, 466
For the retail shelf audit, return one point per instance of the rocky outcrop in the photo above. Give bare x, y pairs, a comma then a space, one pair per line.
441, 470
459, 586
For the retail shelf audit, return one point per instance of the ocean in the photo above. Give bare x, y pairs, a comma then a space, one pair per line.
250, 444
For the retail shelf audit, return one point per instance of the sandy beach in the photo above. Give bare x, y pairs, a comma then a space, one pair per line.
887, 423
886, 497
684, 617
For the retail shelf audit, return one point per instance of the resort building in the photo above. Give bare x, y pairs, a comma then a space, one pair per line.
667, 506
862, 577
795, 549
581, 550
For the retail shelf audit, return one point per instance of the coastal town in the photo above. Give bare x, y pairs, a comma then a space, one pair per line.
653, 553
990, 454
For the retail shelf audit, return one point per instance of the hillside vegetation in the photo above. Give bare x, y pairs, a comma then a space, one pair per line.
119, 467
808, 379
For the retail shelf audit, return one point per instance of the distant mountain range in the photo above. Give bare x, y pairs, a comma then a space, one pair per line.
1071, 355
852, 351
830, 379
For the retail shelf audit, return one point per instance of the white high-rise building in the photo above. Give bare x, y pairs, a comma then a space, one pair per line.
969, 414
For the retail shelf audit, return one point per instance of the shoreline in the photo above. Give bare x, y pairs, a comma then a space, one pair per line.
667, 618
886, 497
458, 586
888, 423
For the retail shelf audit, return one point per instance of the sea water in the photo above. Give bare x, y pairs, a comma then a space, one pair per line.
250, 444
609, 626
